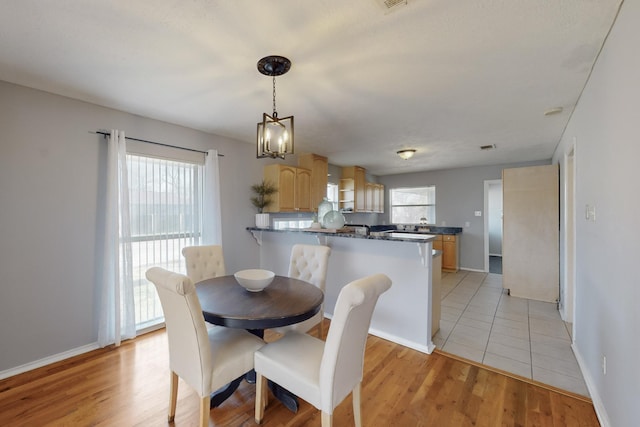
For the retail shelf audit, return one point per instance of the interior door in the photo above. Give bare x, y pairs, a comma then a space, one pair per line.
530, 246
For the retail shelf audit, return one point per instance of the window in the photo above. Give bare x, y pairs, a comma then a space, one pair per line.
165, 198
413, 205
332, 195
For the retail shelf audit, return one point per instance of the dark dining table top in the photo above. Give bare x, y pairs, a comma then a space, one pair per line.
284, 302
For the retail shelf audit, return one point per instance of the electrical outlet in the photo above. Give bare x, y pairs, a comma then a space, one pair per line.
467, 224
478, 213
590, 213
604, 365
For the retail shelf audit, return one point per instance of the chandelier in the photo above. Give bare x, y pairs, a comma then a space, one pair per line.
275, 135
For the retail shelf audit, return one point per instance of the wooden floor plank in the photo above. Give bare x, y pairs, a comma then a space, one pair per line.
129, 386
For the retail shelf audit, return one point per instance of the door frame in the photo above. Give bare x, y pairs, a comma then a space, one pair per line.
569, 283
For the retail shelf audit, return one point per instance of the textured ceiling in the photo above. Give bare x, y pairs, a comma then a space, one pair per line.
444, 77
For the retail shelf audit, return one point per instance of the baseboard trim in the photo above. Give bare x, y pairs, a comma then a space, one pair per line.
475, 270
428, 349
48, 360
598, 404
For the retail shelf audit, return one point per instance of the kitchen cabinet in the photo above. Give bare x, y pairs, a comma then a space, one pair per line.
448, 244
374, 197
358, 195
530, 236
319, 167
449, 252
352, 189
294, 185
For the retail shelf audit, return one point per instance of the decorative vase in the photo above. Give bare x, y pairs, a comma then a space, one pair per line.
333, 219
262, 220
324, 208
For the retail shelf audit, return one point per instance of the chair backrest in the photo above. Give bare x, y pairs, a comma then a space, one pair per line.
204, 262
189, 351
309, 263
342, 363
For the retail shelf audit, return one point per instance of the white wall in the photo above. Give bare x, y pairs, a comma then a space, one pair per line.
606, 125
51, 183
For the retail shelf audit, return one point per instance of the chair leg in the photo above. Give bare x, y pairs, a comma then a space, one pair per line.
327, 419
357, 416
205, 408
261, 397
173, 396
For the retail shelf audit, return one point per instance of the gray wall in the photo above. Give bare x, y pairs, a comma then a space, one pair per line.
51, 183
605, 127
459, 193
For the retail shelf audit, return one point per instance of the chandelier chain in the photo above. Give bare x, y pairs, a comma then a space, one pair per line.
275, 113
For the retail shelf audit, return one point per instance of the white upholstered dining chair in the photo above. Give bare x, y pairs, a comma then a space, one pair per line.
204, 262
324, 373
204, 359
309, 263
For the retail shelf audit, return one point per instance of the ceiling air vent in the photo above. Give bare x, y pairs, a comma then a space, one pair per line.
488, 147
391, 5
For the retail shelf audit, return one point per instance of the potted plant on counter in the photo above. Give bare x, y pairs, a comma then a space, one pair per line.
261, 199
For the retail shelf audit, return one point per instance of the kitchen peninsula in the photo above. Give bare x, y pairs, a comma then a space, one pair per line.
403, 314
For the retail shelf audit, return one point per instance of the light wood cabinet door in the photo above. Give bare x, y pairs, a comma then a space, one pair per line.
302, 201
449, 253
437, 243
293, 188
378, 199
369, 196
319, 167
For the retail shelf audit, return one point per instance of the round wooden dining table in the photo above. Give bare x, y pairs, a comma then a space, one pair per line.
284, 302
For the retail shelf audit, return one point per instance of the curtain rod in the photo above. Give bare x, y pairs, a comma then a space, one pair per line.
105, 133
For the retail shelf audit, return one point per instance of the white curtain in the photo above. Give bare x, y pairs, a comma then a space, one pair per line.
117, 311
211, 222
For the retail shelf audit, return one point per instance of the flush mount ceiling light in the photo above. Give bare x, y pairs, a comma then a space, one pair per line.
275, 135
406, 154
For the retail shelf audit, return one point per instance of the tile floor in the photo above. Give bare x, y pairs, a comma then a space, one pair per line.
481, 322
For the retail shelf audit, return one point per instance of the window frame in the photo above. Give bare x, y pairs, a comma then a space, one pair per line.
430, 206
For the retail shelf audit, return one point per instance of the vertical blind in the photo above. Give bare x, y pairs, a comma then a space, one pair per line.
166, 215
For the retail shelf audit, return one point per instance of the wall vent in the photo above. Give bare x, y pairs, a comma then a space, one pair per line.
391, 5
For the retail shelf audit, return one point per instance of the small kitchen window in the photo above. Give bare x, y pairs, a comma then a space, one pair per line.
415, 205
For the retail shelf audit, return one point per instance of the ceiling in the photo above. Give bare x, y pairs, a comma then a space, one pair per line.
444, 77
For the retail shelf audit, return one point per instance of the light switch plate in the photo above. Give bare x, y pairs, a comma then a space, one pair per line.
478, 213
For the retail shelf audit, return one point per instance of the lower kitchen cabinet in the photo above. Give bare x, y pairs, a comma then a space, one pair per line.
448, 244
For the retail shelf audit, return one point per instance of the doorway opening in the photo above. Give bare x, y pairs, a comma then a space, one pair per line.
493, 226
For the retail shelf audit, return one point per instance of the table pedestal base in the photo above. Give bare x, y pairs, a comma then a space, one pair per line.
288, 399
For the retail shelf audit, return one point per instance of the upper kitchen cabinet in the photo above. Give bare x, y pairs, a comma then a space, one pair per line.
352, 191
319, 167
294, 188
358, 195
530, 239
374, 197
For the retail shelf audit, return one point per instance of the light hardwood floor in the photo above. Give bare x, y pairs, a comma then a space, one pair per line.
129, 386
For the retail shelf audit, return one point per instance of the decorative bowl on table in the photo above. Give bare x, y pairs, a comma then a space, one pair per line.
255, 279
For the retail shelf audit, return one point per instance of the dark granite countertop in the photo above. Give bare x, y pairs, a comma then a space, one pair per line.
392, 236
419, 229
